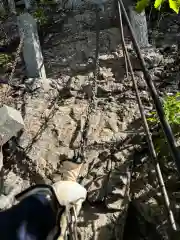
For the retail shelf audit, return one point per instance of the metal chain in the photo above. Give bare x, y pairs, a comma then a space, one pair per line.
6, 37
13, 68
152, 151
80, 154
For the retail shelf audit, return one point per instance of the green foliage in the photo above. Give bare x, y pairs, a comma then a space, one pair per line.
171, 105
158, 3
172, 109
141, 5
4, 59
173, 4
40, 16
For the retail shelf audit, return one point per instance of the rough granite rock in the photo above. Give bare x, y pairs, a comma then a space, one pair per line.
53, 121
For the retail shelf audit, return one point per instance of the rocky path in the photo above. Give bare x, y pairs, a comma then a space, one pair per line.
53, 121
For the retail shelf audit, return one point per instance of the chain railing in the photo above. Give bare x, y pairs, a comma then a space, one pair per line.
80, 153
153, 155
18, 52
79, 156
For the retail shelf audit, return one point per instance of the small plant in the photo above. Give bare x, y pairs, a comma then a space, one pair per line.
40, 16
173, 4
4, 59
171, 106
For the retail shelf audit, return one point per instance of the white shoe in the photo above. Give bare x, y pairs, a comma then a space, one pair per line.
71, 195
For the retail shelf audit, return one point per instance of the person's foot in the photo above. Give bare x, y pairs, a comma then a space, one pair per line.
69, 171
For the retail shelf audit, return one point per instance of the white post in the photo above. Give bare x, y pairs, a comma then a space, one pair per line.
31, 47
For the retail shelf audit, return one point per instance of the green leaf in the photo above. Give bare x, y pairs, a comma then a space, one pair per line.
158, 3
141, 5
174, 5
151, 120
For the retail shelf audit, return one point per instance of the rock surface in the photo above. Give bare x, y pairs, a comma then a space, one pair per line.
53, 121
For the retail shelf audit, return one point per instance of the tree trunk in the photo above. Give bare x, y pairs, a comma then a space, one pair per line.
138, 22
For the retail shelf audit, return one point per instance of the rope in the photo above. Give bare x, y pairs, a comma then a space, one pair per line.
146, 128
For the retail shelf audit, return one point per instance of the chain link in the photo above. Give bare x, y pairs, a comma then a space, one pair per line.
80, 154
13, 68
6, 37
